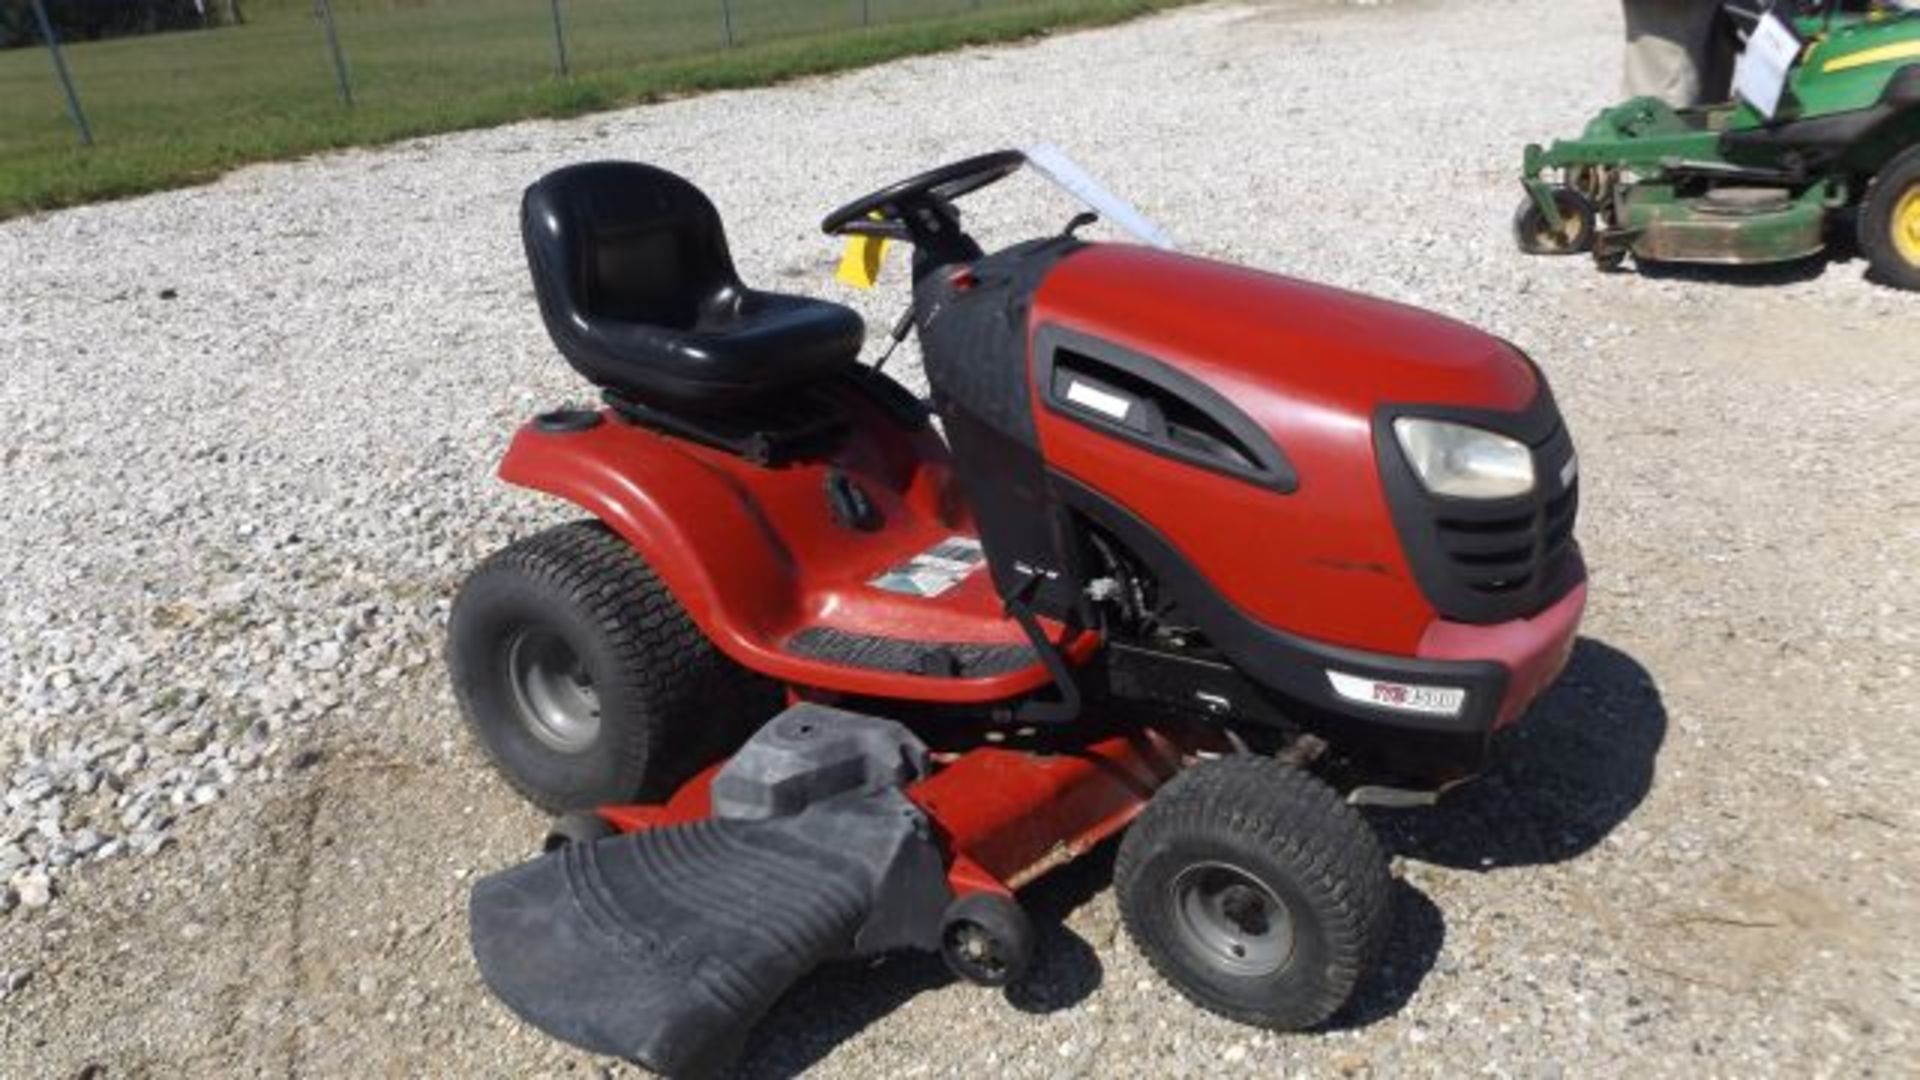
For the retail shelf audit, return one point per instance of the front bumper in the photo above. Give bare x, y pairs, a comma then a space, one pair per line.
1533, 650
1498, 669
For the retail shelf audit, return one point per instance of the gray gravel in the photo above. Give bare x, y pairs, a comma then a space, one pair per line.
247, 459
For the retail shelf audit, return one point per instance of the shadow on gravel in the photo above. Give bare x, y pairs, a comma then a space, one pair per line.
1577, 766
832, 1005
837, 1002
1066, 967
1419, 930
1571, 771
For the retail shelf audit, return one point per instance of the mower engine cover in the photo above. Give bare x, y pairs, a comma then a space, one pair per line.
1251, 438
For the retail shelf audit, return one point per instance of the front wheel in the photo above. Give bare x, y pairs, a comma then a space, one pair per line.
1890, 222
583, 678
1256, 891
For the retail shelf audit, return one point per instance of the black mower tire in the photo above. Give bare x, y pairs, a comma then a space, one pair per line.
1890, 206
987, 939
1534, 236
663, 701
1286, 840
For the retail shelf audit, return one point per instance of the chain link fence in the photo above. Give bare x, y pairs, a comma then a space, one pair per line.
228, 81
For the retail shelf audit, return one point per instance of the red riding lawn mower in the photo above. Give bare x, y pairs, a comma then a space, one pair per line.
1178, 549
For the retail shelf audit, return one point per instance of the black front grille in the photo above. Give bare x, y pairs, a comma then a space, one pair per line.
1489, 561
1508, 551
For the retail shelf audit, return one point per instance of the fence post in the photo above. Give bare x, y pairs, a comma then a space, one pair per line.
560, 41
866, 12
333, 48
726, 20
60, 70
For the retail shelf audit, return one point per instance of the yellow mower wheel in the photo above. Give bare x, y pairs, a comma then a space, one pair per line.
1906, 225
1890, 223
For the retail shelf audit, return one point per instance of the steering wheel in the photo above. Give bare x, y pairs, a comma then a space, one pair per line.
893, 211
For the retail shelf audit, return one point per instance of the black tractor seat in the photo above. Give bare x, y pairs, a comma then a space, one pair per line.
638, 291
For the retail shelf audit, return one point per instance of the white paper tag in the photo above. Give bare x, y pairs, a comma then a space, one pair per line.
1053, 163
1761, 78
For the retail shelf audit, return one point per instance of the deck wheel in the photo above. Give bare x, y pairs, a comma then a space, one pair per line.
987, 939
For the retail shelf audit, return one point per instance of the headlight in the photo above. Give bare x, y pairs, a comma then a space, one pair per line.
1464, 462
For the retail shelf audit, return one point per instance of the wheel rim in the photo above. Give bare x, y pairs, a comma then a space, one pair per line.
1574, 233
1906, 226
1567, 236
555, 693
976, 953
1232, 919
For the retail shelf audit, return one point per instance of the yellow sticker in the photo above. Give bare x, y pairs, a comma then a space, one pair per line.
1885, 54
860, 262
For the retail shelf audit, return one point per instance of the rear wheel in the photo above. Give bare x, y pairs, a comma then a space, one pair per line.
1537, 236
584, 680
1890, 223
1254, 889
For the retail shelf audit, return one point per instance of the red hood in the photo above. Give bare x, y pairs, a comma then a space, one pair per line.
1260, 338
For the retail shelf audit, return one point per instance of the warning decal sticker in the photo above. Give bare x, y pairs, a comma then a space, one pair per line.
935, 570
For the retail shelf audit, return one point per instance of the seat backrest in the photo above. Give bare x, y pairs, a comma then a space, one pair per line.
626, 241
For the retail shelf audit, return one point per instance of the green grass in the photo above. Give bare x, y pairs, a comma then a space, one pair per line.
176, 109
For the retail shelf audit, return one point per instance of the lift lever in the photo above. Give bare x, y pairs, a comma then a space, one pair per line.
901, 328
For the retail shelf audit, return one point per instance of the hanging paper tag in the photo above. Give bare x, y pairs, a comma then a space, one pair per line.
1761, 77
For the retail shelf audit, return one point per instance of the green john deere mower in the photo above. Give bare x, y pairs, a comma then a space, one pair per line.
1728, 185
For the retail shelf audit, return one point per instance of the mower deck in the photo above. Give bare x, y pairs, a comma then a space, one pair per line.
1010, 814
830, 834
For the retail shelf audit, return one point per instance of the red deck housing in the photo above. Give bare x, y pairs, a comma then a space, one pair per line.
1004, 816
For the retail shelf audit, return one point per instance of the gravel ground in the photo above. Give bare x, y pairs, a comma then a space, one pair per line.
251, 428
